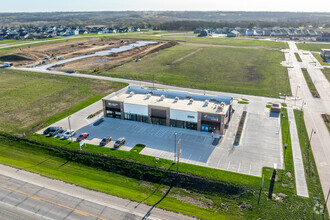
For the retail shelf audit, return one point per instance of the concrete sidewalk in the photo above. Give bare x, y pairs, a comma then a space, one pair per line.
299, 170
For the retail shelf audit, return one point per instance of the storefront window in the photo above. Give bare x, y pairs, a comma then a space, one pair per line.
135, 117
184, 124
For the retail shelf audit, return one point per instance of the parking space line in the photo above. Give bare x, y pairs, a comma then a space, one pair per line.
228, 165
239, 167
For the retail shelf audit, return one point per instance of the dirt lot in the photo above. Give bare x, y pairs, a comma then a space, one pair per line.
95, 64
49, 53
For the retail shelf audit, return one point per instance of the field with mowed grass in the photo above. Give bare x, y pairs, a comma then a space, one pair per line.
189, 37
236, 70
30, 101
313, 47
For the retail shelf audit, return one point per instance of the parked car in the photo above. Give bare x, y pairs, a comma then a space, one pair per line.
82, 137
68, 134
105, 141
54, 131
47, 130
60, 133
119, 142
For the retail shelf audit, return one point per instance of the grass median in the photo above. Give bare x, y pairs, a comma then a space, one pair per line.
310, 84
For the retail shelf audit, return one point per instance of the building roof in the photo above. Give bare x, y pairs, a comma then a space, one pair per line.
182, 95
173, 100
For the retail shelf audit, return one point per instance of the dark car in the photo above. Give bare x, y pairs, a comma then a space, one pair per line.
82, 137
48, 130
105, 141
54, 131
119, 142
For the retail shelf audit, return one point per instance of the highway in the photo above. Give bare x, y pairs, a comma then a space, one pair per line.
25, 195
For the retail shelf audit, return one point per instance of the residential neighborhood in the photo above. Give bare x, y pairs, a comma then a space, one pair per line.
39, 32
268, 31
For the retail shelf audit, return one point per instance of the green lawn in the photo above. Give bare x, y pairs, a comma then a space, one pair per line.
326, 72
237, 70
310, 83
30, 101
313, 47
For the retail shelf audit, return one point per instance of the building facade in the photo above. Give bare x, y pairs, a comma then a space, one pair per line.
171, 108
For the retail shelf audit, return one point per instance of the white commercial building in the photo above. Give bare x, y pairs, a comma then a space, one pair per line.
171, 108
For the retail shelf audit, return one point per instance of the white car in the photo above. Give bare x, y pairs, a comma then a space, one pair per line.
68, 134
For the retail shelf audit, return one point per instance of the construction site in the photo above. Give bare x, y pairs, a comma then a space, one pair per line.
76, 50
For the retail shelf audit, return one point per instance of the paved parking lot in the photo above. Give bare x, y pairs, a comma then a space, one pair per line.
260, 145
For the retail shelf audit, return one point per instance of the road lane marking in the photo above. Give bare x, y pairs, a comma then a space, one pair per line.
54, 203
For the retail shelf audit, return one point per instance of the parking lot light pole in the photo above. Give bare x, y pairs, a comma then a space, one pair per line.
177, 167
70, 127
175, 134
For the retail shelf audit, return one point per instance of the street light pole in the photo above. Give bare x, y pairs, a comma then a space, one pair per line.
174, 147
310, 139
295, 100
70, 127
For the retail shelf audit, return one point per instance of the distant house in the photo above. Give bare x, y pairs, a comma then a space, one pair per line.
324, 37
233, 34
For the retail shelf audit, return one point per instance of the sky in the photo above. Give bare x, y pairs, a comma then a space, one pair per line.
164, 5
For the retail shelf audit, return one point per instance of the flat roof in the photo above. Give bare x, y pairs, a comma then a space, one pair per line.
172, 103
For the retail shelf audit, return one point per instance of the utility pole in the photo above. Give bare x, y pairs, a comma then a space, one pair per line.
177, 167
175, 147
70, 127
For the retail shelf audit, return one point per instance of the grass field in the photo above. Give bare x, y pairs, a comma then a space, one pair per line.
192, 38
310, 83
320, 59
313, 47
29, 101
237, 70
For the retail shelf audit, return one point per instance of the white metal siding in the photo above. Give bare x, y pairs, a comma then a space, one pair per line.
183, 115
136, 109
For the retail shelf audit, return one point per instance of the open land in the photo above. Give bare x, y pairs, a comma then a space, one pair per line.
35, 55
39, 99
237, 70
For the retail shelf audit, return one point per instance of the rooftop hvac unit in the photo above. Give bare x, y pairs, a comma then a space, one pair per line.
162, 97
220, 107
131, 94
222, 104
176, 98
148, 95
206, 102
191, 100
